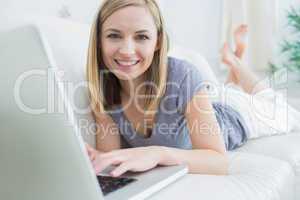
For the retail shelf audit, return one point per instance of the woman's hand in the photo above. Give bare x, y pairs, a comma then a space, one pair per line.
134, 159
91, 152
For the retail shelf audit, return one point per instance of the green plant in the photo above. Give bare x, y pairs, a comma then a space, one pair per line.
291, 47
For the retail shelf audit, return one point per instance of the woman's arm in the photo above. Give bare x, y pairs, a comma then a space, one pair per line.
199, 161
209, 154
107, 138
107, 134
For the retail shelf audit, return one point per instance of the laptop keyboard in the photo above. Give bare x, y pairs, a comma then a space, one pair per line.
109, 184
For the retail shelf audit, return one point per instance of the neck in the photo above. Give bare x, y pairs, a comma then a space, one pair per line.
132, 87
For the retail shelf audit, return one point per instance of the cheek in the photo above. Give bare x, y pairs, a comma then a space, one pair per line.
107, 49
148, 52
108, 52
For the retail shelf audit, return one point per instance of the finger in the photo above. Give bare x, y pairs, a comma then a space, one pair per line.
88, 146
124, 167
113, 153
100, 165
92, 156
91, 152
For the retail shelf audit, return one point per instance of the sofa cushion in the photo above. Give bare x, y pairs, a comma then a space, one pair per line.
251, 177
197, 60
284, 147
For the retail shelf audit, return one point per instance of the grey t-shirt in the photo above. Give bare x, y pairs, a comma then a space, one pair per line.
170, 128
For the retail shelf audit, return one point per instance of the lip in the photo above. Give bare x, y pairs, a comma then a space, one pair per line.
126, 64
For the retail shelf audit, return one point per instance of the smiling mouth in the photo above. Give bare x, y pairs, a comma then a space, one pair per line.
126, 64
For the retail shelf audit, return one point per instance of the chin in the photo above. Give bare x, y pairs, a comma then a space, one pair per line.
129, 75
125, 76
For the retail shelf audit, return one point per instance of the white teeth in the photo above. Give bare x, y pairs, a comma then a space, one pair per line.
127, 63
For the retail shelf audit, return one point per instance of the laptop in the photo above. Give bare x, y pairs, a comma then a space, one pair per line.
42, 155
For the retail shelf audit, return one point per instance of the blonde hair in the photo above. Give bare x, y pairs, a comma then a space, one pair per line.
104, 96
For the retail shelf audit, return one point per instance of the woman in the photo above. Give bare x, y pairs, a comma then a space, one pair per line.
156, 105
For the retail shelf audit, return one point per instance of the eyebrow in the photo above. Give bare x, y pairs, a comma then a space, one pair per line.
142, 31
116, 30
112, 30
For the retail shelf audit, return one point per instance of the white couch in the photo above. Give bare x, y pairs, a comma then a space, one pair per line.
263, 169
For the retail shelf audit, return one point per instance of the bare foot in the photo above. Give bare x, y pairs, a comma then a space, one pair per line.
232, 62
239, 74
239, 38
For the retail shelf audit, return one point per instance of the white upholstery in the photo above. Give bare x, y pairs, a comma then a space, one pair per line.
267, 169
251, 177
284, 147
197, 60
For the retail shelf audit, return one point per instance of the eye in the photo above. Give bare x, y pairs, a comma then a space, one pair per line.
142, 37
113, 36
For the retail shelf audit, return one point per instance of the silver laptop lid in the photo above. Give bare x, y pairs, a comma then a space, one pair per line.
40, 154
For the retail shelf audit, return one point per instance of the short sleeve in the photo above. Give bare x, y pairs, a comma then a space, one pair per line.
191, 84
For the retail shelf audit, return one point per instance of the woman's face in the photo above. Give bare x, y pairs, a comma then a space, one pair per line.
129, 40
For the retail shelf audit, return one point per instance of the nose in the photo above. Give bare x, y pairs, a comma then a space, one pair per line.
127, 47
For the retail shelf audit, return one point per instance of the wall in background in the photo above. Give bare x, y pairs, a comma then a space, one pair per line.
191, 23
82, 11
196, 25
